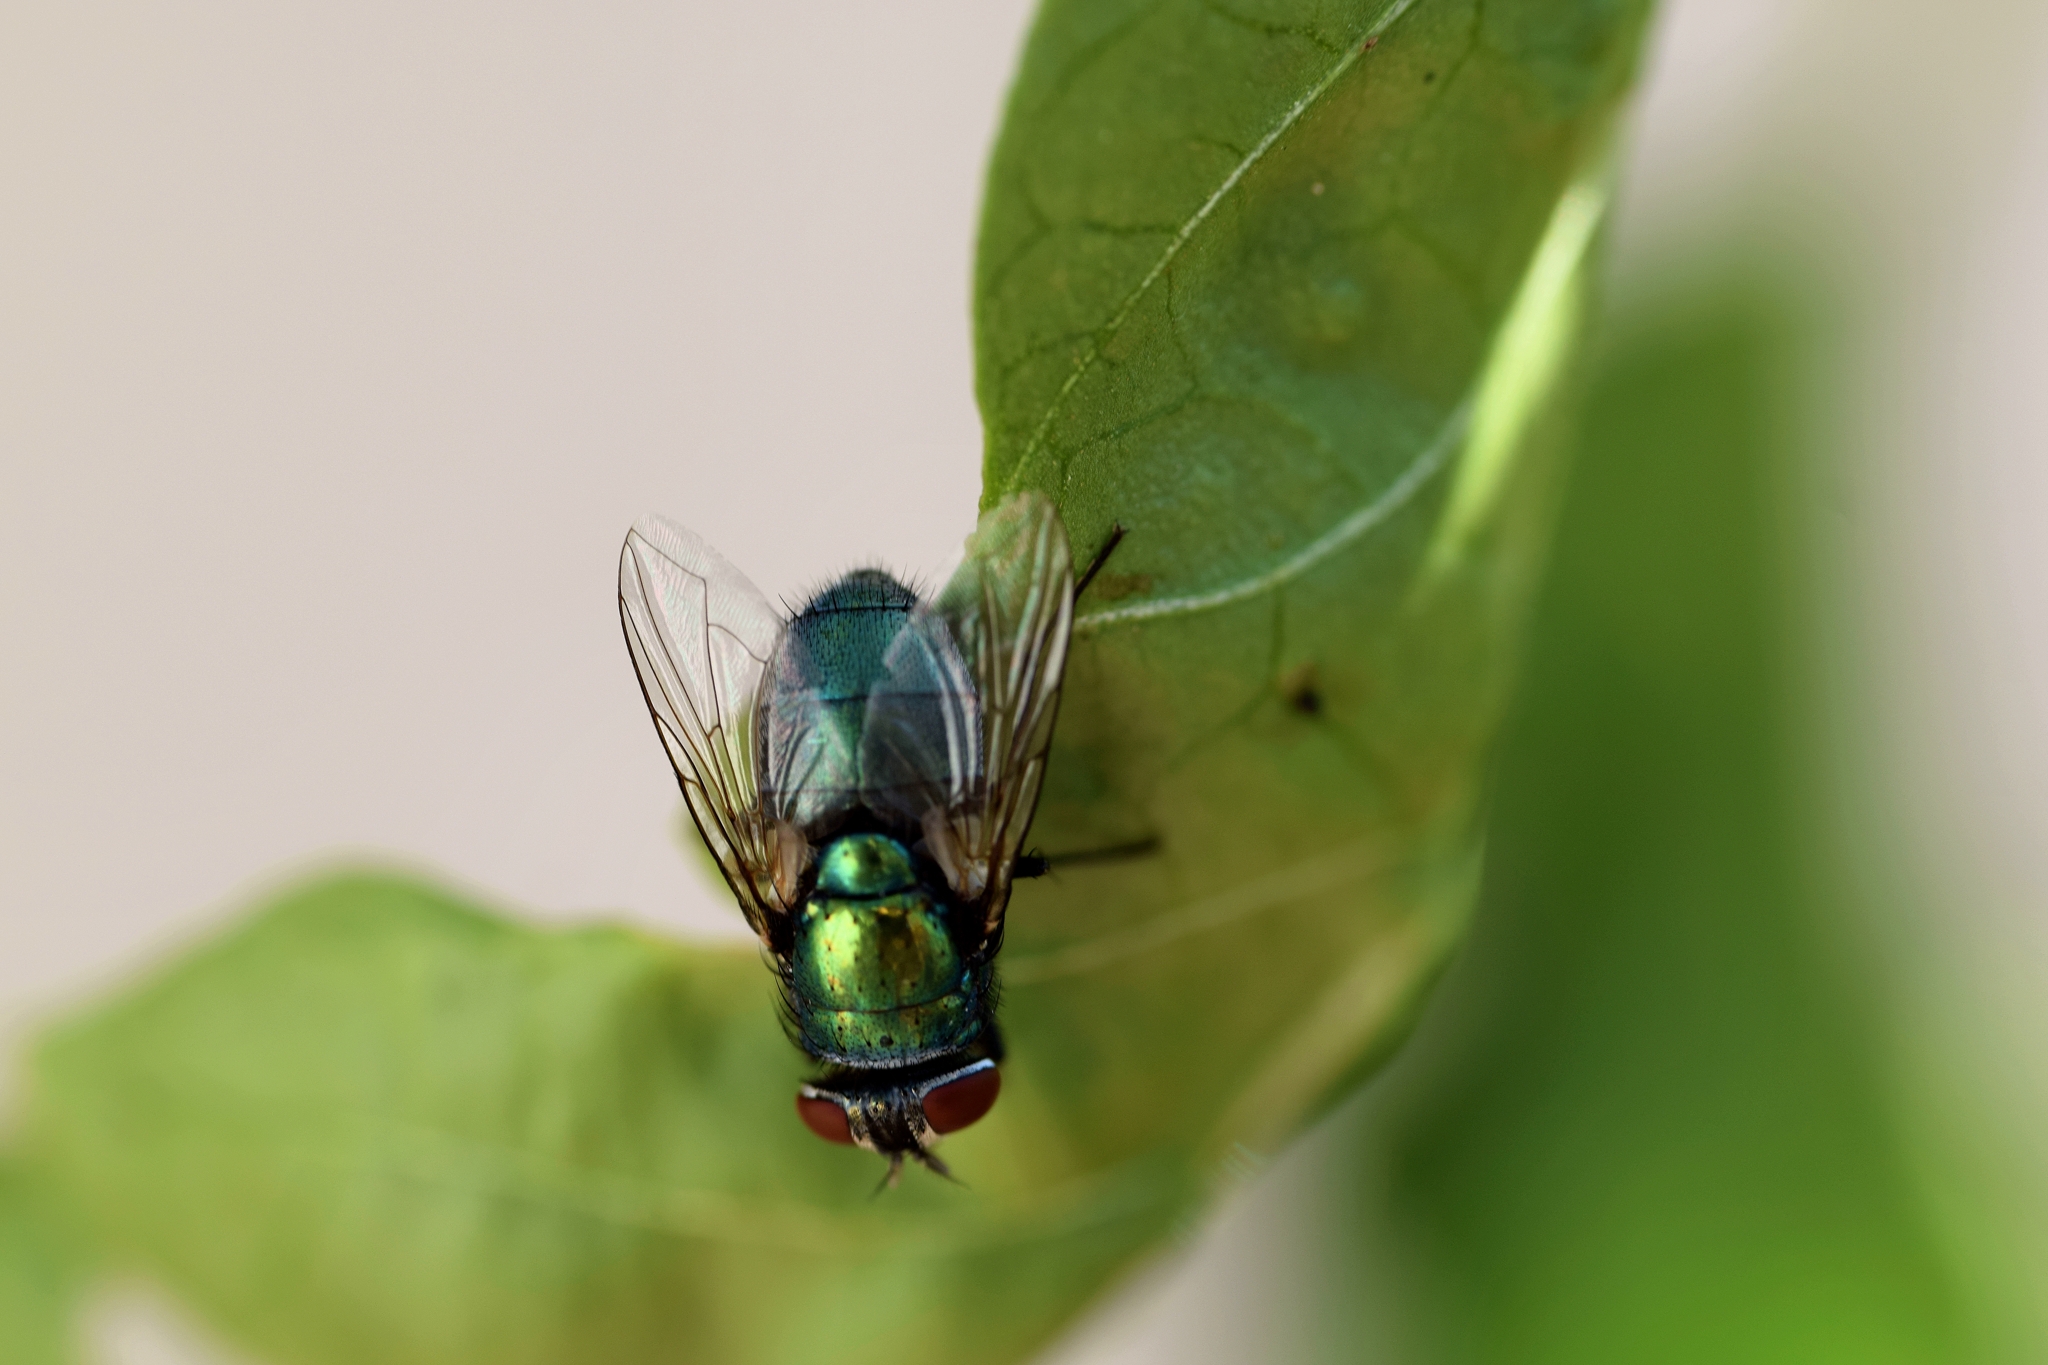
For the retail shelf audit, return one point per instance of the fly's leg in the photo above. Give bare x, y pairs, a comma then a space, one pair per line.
1038, 864
1116, 536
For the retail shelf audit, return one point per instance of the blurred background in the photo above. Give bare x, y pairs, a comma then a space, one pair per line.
342, 345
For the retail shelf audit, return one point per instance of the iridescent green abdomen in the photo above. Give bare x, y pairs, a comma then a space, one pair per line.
875, 977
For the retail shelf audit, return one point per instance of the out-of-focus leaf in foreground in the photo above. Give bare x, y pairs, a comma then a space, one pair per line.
379, 1124
1288, 289
1651, 1122
40, 1273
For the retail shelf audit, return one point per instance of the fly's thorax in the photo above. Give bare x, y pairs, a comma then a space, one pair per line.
865, 865
876, 975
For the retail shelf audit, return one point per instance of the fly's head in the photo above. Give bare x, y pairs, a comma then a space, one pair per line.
900, 1118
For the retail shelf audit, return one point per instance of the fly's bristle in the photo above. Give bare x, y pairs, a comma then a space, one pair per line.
825, 593
785, 1013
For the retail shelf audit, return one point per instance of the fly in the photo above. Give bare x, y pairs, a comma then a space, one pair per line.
865, 772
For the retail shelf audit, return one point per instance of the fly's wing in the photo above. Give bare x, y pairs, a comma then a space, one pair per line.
810, 744
956, 733
923, 755
701, 636
814, 698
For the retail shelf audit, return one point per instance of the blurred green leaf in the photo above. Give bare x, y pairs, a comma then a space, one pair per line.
1651, 1123
40, 1270
1260, 292
380, 1124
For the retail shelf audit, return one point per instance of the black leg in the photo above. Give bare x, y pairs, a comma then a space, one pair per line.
1116, 535
1038, 864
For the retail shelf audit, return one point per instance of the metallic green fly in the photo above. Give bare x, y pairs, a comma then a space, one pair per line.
865, 773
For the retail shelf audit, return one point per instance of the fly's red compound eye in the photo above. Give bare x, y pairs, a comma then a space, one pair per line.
825, 1118
950, 1107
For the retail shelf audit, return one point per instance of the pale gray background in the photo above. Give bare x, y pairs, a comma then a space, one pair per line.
339, 344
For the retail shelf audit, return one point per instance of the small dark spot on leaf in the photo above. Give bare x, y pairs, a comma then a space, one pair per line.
1108, 587
1428, 76
1300, 689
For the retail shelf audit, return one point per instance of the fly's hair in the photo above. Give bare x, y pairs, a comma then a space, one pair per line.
785, 1014
992, 1003
919, 585
785, 997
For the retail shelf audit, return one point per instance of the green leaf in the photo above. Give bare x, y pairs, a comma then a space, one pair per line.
40, 1270
1652, 1123
380, 1124
1288, 290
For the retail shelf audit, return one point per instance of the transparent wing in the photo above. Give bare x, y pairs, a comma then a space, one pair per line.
701, 636
922, 745
814, 699
810, 747
956, 734
803, 755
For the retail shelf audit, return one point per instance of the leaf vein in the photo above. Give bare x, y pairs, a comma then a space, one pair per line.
1201, 216
1432, 458
1269, 30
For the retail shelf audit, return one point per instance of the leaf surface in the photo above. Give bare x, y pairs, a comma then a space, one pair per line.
1284, 291
1287, 289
